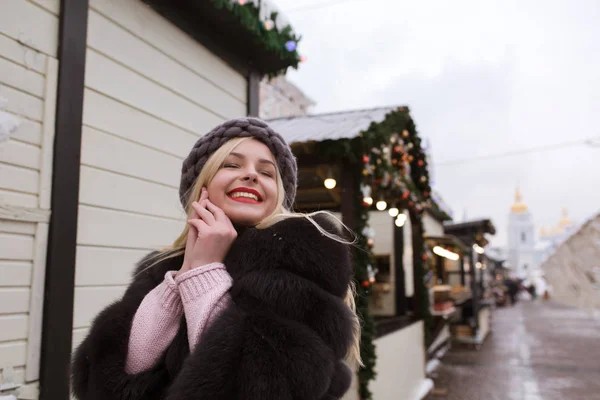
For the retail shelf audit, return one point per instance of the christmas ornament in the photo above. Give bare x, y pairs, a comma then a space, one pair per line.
423, 179
269, 24
291, 45
366, 284
420, 163
241, 2
365, 159
302, 59
405, 133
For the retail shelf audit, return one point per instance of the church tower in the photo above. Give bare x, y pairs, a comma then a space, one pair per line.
521, 240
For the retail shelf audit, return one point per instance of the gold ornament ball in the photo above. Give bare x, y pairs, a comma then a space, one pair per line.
423, 179
405, 133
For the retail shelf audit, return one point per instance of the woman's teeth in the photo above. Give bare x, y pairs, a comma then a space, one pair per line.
244, 194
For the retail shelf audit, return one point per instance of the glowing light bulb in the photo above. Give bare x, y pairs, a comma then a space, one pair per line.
368, 200
381, 205
401, 220
394, 212
330, 183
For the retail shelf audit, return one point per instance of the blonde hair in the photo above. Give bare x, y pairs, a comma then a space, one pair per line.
208, 172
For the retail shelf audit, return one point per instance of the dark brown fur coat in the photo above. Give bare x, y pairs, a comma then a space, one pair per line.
283, 336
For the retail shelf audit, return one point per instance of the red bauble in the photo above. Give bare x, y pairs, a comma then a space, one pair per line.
366, 284
365, 159
425, 257
420, 163
405, 194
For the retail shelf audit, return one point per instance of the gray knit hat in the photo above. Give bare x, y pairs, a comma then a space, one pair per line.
241, 127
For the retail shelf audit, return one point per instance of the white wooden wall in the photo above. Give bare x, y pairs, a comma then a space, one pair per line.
432, 226
28, 78
400, 364
150, 92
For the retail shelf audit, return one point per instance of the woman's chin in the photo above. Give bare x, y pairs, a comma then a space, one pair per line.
244, 219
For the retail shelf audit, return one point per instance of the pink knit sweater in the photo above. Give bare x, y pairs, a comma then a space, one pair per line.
200, 293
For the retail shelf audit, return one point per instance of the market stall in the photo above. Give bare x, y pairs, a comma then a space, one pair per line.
472, 325
449, 290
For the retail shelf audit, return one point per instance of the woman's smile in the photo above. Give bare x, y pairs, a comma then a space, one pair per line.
245, 195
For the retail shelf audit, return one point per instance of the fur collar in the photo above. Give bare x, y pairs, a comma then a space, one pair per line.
283, 336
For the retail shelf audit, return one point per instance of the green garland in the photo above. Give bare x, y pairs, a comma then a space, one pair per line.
273, 40
362, 258
367, 156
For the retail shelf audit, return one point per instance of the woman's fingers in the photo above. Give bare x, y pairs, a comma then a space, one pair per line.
220, 215
203, 213
199, 226
216, 211
203, 195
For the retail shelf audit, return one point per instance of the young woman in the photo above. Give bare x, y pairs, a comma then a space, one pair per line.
251, 301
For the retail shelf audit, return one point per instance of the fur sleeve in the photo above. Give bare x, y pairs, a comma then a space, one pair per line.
98, 368
287, 329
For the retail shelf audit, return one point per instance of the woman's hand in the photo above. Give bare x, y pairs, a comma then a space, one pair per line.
210, 236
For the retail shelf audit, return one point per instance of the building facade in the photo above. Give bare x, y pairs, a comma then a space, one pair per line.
281, 98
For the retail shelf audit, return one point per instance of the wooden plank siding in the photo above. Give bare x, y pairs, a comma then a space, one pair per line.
28, 49
150, 92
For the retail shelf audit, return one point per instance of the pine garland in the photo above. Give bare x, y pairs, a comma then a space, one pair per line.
273, 40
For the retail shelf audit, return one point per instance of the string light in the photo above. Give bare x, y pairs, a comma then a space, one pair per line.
381, 205
368, 200
400, 220
241, 2
393, 212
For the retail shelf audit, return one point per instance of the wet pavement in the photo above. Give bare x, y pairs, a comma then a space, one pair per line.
537, 351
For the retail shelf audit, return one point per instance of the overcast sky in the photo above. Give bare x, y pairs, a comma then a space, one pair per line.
481, 77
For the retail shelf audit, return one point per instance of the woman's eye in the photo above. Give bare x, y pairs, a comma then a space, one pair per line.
230, 165
266, 173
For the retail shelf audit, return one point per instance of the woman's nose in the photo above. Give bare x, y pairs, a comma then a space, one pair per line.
250, 176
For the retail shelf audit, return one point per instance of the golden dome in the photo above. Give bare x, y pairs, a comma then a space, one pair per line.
543, 232
565, 221
518, 207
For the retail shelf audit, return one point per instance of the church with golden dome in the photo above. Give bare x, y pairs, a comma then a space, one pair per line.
521, 238
525, 253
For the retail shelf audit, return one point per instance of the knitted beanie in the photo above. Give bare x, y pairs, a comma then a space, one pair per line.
236, 128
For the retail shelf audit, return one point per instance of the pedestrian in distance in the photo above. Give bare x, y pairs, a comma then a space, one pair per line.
252, 301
